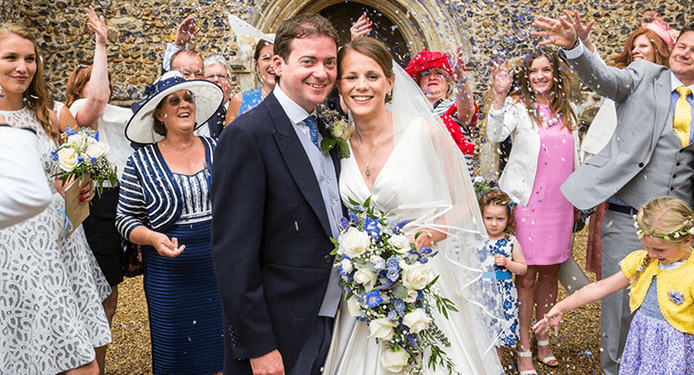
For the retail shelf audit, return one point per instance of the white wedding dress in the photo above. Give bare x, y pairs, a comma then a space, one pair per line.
425, 179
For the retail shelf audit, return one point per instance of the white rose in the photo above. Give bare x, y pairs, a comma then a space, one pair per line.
346, 266
416, 276
353, 242
365, 277
381, 329
394, 359
78, 141
67, 159
411, 296
353, 306
94, 150
400, 242
417, 321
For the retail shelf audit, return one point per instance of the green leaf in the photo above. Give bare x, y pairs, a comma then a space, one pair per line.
399, 291
334, 241
367, 202
352, 202
343, 148
327, 144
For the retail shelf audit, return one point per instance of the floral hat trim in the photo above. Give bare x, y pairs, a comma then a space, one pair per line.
665, 236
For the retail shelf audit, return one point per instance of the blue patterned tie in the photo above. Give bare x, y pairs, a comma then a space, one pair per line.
312, 124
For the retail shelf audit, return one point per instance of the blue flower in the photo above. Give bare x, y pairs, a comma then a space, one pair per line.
80, 159
373, 298
55, 156
353, 217
393, 315
398, 227
380, 264
412, 339
676, 297
399, 305
392, 275
96, 136
392, 263
93, 160
425, 250
344, 222
371, 226
424, 260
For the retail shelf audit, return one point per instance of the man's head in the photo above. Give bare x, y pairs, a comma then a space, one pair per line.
306, 59
682, 56
188, 63
217, 70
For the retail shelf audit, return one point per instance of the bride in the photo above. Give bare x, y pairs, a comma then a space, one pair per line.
406, 161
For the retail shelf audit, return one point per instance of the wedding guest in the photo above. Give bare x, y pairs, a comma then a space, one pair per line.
217, 70
244, 101
87, 95
450, 95
165, 205
53, 288
649, 155
644, 43
543, 122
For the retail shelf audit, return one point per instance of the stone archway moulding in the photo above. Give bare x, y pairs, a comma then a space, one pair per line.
422, 24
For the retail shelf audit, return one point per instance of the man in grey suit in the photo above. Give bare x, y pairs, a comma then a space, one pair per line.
644, 159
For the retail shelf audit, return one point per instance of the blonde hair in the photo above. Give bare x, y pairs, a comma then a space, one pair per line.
668, 218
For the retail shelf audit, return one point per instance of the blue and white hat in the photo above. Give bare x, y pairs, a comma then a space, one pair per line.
208, 97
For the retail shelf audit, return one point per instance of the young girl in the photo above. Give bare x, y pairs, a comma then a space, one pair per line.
661, 336
501, 256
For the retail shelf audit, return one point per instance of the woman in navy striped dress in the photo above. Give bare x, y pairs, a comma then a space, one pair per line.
165, 205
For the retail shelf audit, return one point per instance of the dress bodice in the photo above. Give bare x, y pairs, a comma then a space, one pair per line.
26, 118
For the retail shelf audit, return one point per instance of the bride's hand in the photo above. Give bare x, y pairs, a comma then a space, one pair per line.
425, 239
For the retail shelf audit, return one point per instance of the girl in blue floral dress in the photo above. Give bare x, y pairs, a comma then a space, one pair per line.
500, 257
661, 281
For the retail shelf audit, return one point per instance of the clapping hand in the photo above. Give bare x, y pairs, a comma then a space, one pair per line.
556, 31
361, 28
185, 31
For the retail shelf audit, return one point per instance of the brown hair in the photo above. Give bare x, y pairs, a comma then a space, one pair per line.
78, 79
262, 43
371, 48
558, 96
499, 198
686, 29
37, 96
302, 26
662, 53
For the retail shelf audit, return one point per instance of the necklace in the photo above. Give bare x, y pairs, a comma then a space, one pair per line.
551, 121
367, 173
178, 152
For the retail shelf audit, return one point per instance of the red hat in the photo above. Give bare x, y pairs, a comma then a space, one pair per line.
428, 60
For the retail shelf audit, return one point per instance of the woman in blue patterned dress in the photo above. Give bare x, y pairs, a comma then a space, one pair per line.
500, 257
244, 101
165, 205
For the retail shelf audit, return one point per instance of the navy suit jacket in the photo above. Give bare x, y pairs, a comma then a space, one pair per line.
270, 237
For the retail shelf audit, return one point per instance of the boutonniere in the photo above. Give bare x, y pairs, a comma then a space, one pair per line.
340, 131
676, 297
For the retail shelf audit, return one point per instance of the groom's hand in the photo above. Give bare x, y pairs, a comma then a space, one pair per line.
269, 364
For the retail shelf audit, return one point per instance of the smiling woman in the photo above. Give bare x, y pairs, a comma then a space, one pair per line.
165, 205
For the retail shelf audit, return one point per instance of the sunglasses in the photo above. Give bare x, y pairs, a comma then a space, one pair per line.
175, 100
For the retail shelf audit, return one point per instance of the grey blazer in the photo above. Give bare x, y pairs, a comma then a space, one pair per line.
644, 107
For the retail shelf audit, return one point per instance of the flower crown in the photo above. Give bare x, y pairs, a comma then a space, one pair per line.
665, 236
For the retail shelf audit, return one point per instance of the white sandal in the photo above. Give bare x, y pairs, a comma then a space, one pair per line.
527, 354
550, 361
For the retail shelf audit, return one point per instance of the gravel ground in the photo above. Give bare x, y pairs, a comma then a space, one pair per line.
577, 347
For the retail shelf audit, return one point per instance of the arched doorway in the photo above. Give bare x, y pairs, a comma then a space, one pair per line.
343, 15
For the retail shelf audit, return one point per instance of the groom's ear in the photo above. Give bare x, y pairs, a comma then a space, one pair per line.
277, 64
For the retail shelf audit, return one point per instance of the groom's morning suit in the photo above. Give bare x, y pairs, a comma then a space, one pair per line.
275, 207
643, 160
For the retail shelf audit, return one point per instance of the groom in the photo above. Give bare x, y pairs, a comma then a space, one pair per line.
275, 206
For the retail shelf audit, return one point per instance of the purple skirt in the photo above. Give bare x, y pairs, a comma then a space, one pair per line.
654, 347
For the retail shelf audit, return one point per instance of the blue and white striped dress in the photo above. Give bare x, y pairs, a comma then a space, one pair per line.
185, 310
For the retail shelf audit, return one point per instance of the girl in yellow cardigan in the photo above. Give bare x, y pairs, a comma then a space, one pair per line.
661, 336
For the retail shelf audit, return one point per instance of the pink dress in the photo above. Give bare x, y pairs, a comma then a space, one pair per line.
545, 224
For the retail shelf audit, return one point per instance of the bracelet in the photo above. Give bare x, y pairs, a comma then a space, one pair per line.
576, 42
429, 233
587, 39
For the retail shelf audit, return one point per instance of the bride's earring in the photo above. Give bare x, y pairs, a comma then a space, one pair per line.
1, 94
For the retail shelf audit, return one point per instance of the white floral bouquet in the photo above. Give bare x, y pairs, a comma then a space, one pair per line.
81, 154
390, 286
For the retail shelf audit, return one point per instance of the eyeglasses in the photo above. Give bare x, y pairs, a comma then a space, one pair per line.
218, 76
175, 100
187, 74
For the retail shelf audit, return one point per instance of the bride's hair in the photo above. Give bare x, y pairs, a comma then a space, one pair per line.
371, 48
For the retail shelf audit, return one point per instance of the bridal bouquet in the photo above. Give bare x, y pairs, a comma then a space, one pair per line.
80, 154
390, 286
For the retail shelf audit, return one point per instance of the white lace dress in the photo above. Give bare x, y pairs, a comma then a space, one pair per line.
51, 288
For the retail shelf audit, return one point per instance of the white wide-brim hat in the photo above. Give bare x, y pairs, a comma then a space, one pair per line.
207, 95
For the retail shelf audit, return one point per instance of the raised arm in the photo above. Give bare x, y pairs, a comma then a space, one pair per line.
582, 31
464, 100
502, 117
185, 32
360, 28
99, 92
